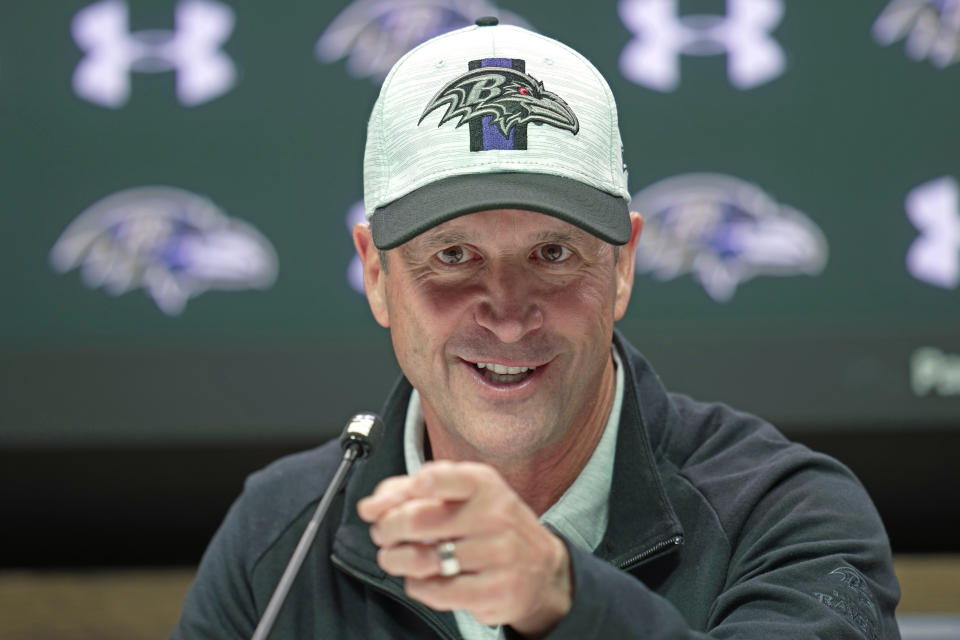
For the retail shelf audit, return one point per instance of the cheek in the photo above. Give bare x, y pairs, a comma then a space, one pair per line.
584, 301
425, 314
439, 300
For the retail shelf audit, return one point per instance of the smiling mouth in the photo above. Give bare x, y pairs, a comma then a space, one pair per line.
500, 374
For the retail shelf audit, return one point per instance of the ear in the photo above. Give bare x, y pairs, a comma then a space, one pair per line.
625, 267
374, 277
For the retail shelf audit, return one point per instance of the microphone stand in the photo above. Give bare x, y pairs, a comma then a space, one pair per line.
358, 441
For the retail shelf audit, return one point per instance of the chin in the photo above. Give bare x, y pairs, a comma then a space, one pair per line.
509, 440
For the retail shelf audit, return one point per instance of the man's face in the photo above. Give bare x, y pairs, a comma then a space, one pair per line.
502, 320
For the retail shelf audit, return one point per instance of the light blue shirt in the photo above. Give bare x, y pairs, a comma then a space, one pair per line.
580, 515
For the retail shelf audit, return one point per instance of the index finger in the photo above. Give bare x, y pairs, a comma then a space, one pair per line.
388, 494
454, 481
443, 480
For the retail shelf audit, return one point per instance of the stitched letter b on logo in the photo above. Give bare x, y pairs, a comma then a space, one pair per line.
486, 88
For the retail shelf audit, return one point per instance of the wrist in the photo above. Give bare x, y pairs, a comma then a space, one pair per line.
557, 597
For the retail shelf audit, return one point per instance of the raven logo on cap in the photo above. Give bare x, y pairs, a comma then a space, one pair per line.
498, 99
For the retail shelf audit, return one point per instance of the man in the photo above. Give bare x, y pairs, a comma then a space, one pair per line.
535, 479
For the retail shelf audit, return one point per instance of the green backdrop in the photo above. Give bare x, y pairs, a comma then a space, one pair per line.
843, 134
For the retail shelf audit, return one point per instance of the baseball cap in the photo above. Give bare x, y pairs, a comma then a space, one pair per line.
494, 117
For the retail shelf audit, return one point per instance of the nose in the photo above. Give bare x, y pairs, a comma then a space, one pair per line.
509, 308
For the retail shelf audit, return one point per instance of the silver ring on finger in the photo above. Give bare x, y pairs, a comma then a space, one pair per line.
449, 565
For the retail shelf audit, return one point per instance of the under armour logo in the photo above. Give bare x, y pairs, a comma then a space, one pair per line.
652, 58
931, 29
192, 49
934, 256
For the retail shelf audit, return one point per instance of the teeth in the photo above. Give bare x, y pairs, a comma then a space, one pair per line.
501, 369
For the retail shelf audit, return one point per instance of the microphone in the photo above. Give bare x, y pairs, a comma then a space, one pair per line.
364, 431
359, 440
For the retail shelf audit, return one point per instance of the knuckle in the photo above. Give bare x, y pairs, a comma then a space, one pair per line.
419, 517
492, 591
504, 550
385, 560
413, 587
488, 474
503, 510
410, 589
387, 484
404, 519
430, 470
424, 591
505, 501
422, 481
514, 551
424, 563
513, 583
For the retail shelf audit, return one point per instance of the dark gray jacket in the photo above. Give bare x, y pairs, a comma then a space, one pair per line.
719, 528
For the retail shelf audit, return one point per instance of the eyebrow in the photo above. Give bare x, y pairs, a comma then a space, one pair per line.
443, 238
562, 236
431, 241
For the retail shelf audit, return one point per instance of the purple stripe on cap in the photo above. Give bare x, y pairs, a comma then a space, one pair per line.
497, 62
492, 138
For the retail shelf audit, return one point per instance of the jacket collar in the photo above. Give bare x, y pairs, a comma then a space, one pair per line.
640, 517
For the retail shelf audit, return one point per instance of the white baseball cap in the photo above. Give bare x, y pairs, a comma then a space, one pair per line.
494, 117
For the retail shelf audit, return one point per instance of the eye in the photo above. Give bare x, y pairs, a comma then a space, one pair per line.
553, 253
455, 254
523, 91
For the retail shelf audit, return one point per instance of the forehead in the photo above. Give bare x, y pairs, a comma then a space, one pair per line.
502, 227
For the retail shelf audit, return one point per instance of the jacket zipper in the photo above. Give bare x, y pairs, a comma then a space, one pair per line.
656, 549
423, 613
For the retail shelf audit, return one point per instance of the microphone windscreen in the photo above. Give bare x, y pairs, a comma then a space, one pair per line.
365, 430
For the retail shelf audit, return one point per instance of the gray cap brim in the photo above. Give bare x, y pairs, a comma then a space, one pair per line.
602, 214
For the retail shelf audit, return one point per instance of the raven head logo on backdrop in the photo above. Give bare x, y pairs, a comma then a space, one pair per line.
724, 231
373, 34
173, 243
930, 28
499, 93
